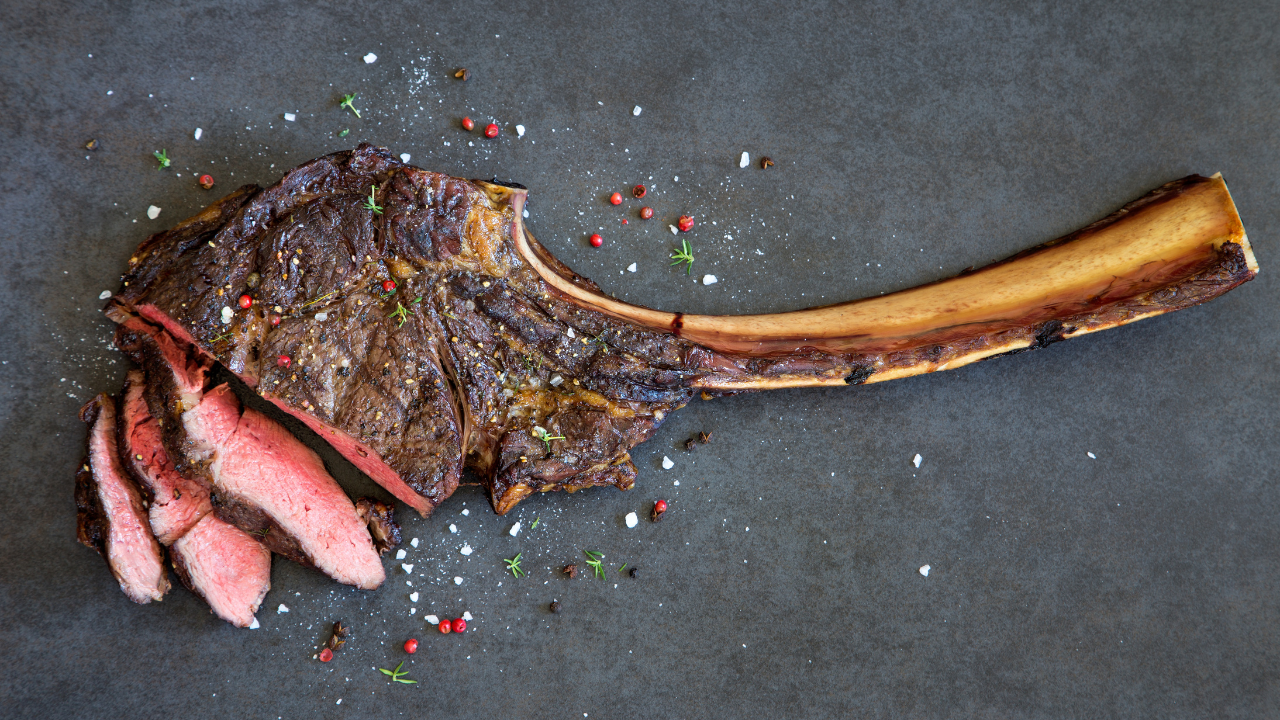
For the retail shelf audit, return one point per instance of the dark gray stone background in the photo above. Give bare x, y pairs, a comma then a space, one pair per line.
911, 140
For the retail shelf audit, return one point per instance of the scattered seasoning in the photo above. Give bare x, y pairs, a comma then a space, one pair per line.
513, 564
596, 240
616, 198
162, 157
765, 162
468, 124
326, 655
646, 212
388, 285
685, 223
370, 204
683, 255
634, 573
638, 191
659, 509
704, 437
400, 313
595, 561
571, 570
284, 361
625, 221
91, 145
545, 438
348, 103
275, 320
246, 302
463, 74
688, 444
206, 181
491, 130
339, 636
555, 607
397, 673
459, 625
445, 627
411, 646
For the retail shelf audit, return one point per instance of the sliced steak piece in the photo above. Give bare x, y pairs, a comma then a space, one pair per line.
225, 566
177, 501
269, 484
381, 519
111, 516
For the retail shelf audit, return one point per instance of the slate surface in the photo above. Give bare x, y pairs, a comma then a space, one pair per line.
910, 140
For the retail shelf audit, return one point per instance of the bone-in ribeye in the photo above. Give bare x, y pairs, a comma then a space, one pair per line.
488, 341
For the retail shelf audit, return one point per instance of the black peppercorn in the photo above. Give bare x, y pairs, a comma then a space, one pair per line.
555, 606
634, 573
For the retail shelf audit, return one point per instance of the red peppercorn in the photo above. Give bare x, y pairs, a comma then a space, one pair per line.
616, 198
639, 191
388, 285
326, 655
659, 508
411, 646
646, 212
459, 625
206, 181
246, 302
491, 130
468, 123
284, 361
626, 221
445, 627
275, 320
685, 223
596, 241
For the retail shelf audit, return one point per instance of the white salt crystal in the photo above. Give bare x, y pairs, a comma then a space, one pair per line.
519, 131
924, 570
674, 230
666, 463
709, 280
515, 529
465, 549
917, 460
254, 625
744, 161
370, 58
104, 294
413, 596
631, 267
635, 110
467, 616
570, 333
453, 528
1092, 456
457, 580
282, 609
466, 512
632, 520
400, 554
413, 611
290, 117
676, 483
322, 316
433, 619
414, 542
526, 212
556, 380
198, 133
404, 157
408, 568
153, 212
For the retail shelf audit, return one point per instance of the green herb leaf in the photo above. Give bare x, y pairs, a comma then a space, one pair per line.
344, 132
162, 157
347, 102
397, 673
624, 567
683, 255
535, 523
595, 560
400, 313
370, 204
545, 438
513, 564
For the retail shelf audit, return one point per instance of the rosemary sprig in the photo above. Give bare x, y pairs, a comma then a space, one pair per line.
546, 438
370, 204
513, 564
683, 255
395, 674
596, 561
162, 157
400, 313
347, 102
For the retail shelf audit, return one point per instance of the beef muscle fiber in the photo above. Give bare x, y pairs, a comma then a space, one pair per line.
226, 566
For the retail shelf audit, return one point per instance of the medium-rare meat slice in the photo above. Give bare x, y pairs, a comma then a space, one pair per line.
111, 516
269, 484
176, 501
225, 566
489, 353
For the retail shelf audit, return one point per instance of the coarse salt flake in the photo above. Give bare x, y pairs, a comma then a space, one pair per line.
519, 131
924, 570
674, 230
405, 157
400, 554
254, 625
466, 512
465, 549
282, 609
917, 460
635, 110
198, 133
370, 59
153, 212
667, 464
290, 117
466, 615
744, 161
709, 280
104, 294
407, 567
632, 520
453, 528
1092, 456
457, 580
414, 542
413, 596
433, 619
631, 267
322, 316
515, 529
570, 333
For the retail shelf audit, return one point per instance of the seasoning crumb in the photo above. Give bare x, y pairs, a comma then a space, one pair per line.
709, 280
667, 463
674, 231
631, 267
555, 607
413, 596
198, 133
466, 615
452, 528
290, 117
322, 316
465, 549
370, 59
91, 145
688, 444
745, 160
1091, 456
634, 573
466, 512
405, 157
400, 554
457, 580
635, 110
414, 542
515, 529
632, 520
463, 74
434, 620
407, 567
282, 609
917, 460
924, 570
254, 625
571, 570
704, 437
104, 294
766, 162
519, 131
153, 212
